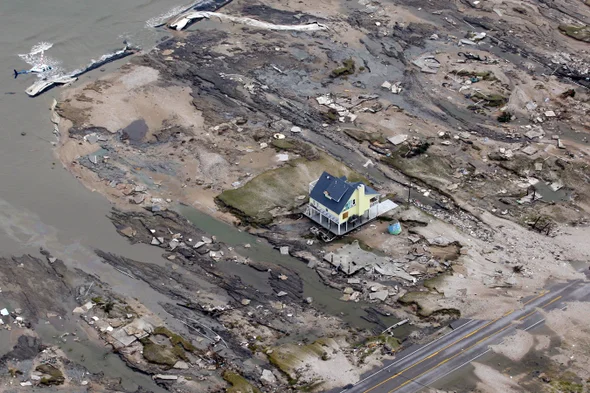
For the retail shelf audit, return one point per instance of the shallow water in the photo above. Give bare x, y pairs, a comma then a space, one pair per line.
41, 204
324, 298
94, 357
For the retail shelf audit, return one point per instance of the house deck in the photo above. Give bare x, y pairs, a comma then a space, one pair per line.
326, 222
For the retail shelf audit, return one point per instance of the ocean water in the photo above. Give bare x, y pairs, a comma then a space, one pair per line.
40, 202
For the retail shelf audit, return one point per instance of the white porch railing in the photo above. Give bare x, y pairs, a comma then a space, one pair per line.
312, 210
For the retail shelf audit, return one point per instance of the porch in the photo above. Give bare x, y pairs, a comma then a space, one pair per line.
327, 221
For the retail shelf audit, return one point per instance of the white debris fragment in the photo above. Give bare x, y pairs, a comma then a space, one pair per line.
379, 295
530, 150
166, 377
396, 88
173, 244
398, 139
556, 186
268, 377
427, 64
465, 41
180, 22
478, 36
282, 157
324, 100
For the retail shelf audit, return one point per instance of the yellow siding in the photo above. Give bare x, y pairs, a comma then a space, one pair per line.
363, 200
362, 205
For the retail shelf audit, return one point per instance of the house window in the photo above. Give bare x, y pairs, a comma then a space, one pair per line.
350, 204
345, 216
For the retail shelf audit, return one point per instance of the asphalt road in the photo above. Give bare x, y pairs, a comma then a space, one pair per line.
418, 367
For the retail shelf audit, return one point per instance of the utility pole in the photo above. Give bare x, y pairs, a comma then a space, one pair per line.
409, 192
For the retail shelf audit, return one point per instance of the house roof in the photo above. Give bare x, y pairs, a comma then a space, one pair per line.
338, 189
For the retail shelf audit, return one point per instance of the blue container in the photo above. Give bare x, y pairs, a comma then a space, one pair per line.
395, 228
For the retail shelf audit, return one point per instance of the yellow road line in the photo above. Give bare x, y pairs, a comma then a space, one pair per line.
433, 354
450, 345
479, 342
543, 293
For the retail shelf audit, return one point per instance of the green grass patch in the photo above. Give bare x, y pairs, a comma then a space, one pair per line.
362, 136
505, 117
386, 339
280, 188
432, 169
164, 355
483, 75
175, 339
290, 357
55, 377
292, 145
238, 383
348, 68
426, 303
491, 99
567, 387
581, 33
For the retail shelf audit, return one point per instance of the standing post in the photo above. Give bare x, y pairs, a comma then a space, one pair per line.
409, 192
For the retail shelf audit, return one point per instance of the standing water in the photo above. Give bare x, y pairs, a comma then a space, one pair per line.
324, 298
41, 204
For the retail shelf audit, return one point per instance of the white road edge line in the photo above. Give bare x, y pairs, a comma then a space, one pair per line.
410, 354
480, 355
471, 320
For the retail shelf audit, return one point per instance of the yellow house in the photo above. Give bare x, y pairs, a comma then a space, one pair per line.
341, 206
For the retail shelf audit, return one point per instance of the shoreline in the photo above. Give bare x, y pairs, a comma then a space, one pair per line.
208, 112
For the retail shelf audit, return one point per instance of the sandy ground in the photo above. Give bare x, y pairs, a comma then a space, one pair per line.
135, 93
482, 270
484, 285
516, 346
571, 325
536, 253
493, 381
492, 260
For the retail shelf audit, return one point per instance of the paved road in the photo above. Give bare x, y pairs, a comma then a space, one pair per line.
420, 366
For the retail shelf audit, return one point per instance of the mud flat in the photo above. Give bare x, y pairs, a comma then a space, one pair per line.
461, 115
